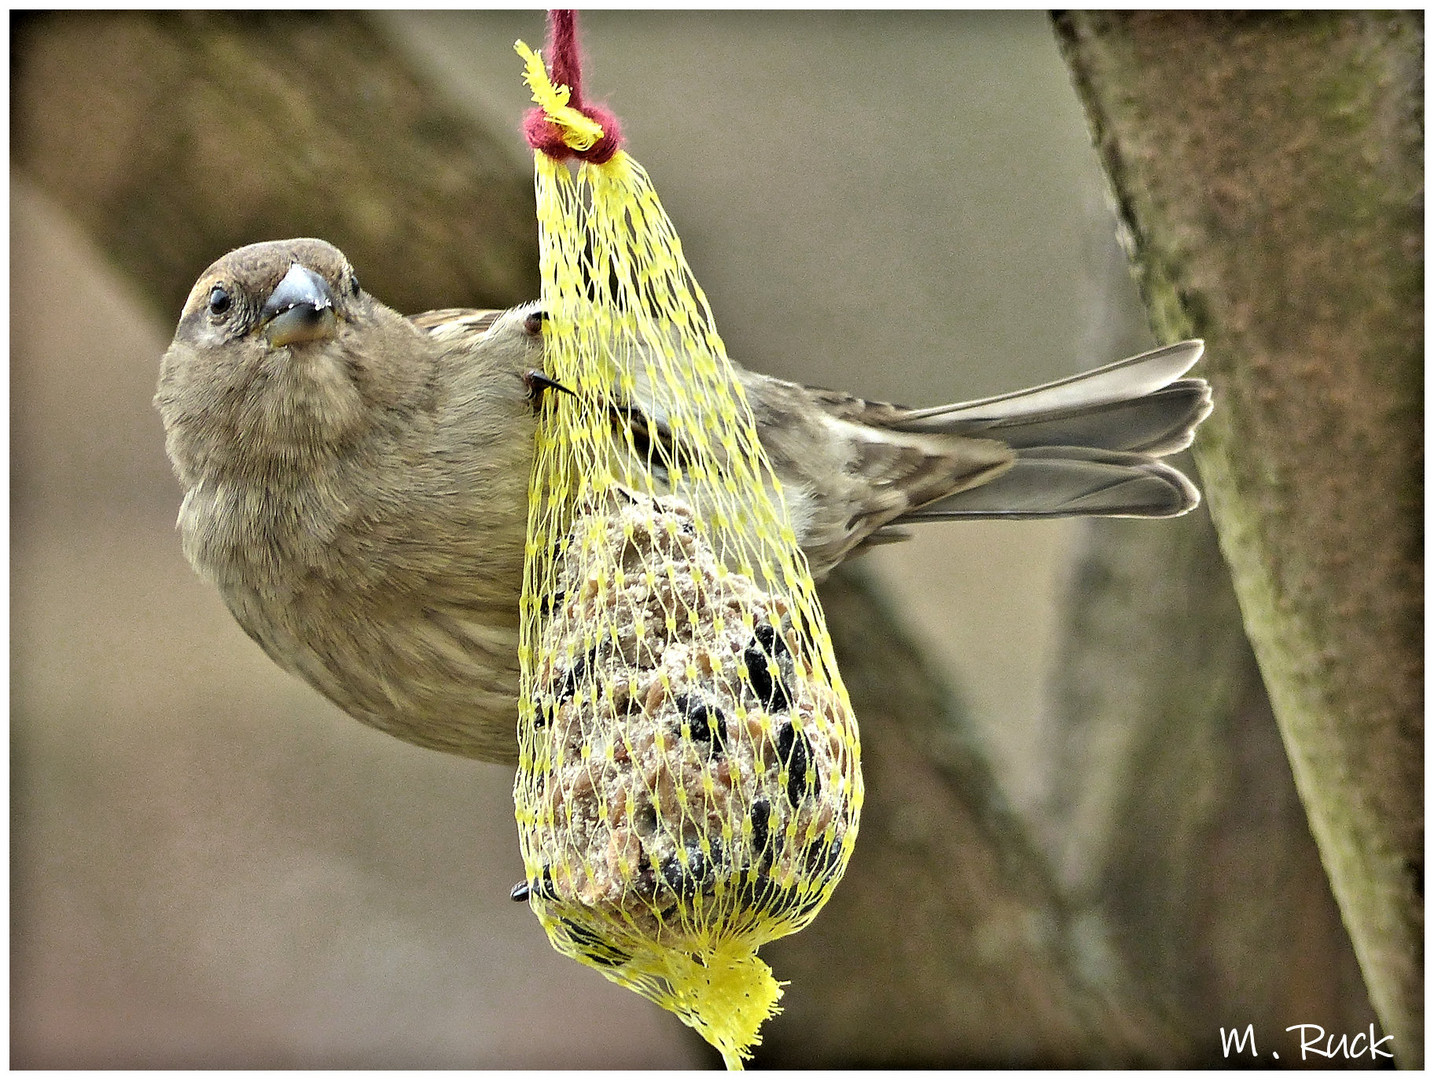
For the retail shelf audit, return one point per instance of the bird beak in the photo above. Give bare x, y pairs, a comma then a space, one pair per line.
300, 309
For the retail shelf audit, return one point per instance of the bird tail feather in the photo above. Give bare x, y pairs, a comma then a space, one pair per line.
1086, 445
1065, 481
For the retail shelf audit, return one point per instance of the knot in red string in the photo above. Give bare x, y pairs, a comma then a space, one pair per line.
565, 69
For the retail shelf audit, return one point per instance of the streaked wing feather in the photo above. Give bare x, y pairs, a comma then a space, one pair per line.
455, 322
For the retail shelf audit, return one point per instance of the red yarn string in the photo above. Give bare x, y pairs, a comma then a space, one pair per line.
565, 69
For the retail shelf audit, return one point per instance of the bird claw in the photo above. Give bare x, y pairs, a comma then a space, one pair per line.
539, 383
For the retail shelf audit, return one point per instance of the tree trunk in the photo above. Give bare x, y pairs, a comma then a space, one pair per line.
1178, 827
1268, 169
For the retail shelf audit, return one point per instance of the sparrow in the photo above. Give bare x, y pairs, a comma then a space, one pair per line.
356, 481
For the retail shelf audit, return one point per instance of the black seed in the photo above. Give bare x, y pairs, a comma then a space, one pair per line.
773, 642
795, 753
810, 904
581, 934
576, 674
644, 883
551, 601
705, 722
545, 714
822, 857
520, 892
700, 874
764, 894
761, 828
682, 881
592, 945
771, 690
613, 958
796, 785
718, 856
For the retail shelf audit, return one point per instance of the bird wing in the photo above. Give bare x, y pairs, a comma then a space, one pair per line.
455, 322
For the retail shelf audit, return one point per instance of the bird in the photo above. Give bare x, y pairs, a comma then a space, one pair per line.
355, 481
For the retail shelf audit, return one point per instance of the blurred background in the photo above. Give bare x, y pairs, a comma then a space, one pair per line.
211, 865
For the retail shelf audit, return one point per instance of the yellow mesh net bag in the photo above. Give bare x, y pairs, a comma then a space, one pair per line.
689, 781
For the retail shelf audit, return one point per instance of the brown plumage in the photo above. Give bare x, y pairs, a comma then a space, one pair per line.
356, 481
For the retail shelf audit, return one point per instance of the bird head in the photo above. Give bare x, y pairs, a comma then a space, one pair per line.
280, 355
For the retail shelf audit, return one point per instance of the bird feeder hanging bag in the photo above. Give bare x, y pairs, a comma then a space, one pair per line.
689, 781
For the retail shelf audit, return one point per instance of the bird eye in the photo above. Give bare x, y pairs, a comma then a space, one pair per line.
219, 300
353, 283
